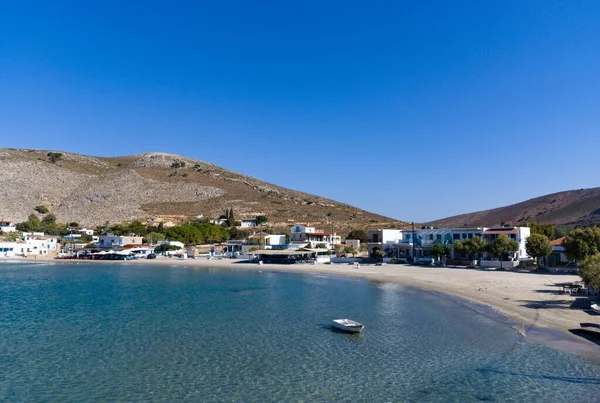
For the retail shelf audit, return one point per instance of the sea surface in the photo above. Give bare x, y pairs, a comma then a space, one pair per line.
86, 333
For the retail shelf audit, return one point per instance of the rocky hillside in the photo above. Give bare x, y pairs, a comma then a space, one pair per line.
580, 207
94, 190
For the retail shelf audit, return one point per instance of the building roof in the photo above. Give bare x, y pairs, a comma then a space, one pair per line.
5, 221
280, 252
494, 231
135, 245
557, 242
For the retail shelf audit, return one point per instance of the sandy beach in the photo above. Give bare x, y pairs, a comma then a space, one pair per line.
535, 300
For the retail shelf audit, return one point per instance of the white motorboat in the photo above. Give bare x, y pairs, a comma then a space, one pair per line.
595, 308
347, 325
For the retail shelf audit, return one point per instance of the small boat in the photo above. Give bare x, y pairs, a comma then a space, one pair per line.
595, 308
347, 325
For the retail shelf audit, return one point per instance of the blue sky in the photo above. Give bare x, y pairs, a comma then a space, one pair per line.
415, 110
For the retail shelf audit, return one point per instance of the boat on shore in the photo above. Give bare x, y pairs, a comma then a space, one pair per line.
347, 325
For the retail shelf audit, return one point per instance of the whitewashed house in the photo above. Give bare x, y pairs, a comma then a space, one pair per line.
112, 241
39, 243
384, 239
7, 226
218, 221
248, 223
312, 236
267, 241
178, 244
10, 249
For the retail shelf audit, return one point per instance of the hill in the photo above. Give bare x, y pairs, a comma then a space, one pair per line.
581, 207
96, 190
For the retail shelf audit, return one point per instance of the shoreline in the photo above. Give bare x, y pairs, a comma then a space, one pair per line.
534, 301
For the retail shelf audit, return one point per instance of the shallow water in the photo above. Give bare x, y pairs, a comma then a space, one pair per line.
72, 333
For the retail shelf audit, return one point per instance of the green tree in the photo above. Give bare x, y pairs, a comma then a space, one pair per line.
73, 224
165, 247
538, 246
541, 229
470, 247
320, 246
379, 254
12, 237
589, 270
154, 237
54, 157
188, 234
239, 234
441, 250
581, 243
49, 220
502, 246
42, 209
161, 227
260, 220
136, 227
359, 234
349, 250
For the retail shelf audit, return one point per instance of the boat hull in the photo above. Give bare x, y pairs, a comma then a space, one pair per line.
353, 327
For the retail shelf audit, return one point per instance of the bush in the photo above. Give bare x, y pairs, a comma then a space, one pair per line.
54, 157
42, 209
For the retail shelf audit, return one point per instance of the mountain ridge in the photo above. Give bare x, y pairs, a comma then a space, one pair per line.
93, 190
570, 207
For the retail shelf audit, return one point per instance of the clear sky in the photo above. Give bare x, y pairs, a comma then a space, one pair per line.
416, 110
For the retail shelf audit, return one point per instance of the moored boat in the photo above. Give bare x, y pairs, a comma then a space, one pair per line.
347, 325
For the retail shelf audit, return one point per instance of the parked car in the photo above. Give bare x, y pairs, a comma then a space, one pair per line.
151, 256
427, 261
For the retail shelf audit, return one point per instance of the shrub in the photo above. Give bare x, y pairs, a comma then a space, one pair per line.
42, 209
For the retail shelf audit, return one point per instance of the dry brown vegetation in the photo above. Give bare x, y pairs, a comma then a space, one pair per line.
93, 190
581, 207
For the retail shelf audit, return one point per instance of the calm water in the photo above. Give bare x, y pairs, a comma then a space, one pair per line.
74, 333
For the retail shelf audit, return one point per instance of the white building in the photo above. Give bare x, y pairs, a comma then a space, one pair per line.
7, 226
10, 249
355, 243
266, 241
307, 234
33, 244
180, 245
298, 233
400, 243
384, 239
248, 223
41, 244
83, 231
218, 221
112, 241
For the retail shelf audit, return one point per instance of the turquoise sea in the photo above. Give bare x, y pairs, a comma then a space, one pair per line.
86, 332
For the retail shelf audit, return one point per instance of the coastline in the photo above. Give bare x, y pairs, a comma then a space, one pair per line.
533, 300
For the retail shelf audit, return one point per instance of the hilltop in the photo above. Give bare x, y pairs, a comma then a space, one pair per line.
579, 207
96, 190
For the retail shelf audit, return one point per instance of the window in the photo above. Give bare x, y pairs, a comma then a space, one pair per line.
430, 237
470, 236
439, 237
456, 237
